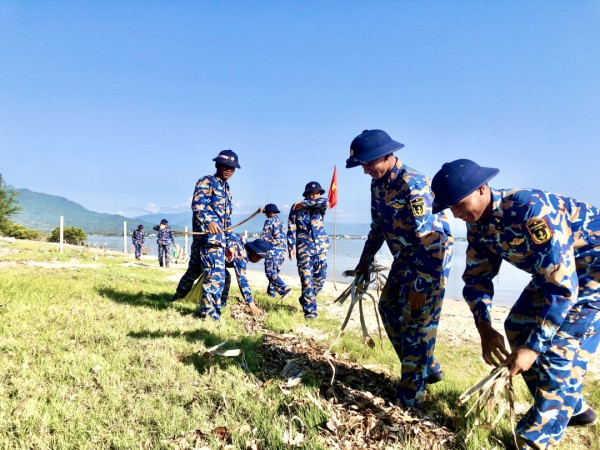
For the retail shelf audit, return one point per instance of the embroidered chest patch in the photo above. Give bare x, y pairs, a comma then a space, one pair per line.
418, 206
516, 241
539, 231
397, 205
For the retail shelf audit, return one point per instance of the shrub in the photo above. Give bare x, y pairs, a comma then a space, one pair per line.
72, 235
20, 232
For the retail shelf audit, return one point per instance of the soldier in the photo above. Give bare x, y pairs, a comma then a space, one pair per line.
244, 251
273, 233
211, 207
138, 239
307, 241
421, 243
164, 239
553, 328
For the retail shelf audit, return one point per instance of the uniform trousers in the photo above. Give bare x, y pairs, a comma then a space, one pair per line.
413, 333
272, 270
164, 254
312, 270
556, 378
209, 261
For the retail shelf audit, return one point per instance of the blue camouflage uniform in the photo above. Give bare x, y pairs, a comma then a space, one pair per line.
273, 233
239, 265
421, 245
138, 239
557, 240
306, 234
164, 239
212, 202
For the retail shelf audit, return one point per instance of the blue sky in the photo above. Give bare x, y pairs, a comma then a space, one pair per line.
121, 105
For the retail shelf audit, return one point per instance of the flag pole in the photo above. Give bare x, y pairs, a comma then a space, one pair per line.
332, 200
334, 244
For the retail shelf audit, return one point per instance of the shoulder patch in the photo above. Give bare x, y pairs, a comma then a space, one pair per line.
539, 230
418, 206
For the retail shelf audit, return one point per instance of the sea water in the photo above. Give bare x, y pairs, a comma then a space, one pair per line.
507, 285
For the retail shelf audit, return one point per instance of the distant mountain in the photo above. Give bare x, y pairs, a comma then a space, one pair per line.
42, 212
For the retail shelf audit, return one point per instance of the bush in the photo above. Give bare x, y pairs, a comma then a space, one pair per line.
72, 235
20, 232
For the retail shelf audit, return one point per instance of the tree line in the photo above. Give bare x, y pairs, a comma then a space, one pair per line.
9, 206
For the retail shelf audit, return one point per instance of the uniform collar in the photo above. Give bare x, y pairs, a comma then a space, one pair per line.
392, 175
220, 180
496, 214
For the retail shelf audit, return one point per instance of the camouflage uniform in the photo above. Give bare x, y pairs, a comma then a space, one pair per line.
557, 240
421, 245
273, 233
306, 233
212, 202
138, 239
164, 239
239, 265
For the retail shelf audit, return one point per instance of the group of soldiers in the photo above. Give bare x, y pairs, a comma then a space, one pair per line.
167, 248
552, 329
215, 247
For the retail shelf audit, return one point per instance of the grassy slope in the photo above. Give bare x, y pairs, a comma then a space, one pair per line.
98, 358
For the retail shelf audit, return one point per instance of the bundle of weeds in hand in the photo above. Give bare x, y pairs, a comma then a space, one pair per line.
494, 390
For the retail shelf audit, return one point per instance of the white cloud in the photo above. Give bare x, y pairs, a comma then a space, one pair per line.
152, 208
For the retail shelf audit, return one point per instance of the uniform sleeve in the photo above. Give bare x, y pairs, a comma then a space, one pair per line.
481, 268
429, 239
202, 202
228, 233
266, 231
375, 239
291, 230
319, 203
557, 277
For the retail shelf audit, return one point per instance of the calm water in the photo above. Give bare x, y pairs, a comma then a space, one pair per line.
508, 285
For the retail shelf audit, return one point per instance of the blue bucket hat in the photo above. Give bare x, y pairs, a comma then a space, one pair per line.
140, 227
370, 145
457, 179
260, 247
229, 158
271, 208
164, 221
313, 186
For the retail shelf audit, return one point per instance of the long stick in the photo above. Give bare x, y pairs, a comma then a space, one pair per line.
201, 233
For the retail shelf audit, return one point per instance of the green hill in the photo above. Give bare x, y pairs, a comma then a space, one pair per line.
42, 212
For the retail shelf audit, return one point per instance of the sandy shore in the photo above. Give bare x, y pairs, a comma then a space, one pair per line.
456, 328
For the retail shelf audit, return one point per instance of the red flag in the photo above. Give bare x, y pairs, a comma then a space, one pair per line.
332, 195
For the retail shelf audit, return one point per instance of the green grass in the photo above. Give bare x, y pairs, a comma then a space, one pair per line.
96, 358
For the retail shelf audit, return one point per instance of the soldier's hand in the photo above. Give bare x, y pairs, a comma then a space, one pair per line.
296, 206
229, 254
521, 360
213, 228
362, 269
493, 349
255, 310
416, 300
292, 254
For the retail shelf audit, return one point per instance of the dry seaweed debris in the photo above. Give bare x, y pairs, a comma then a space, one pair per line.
358, 404
496, 389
